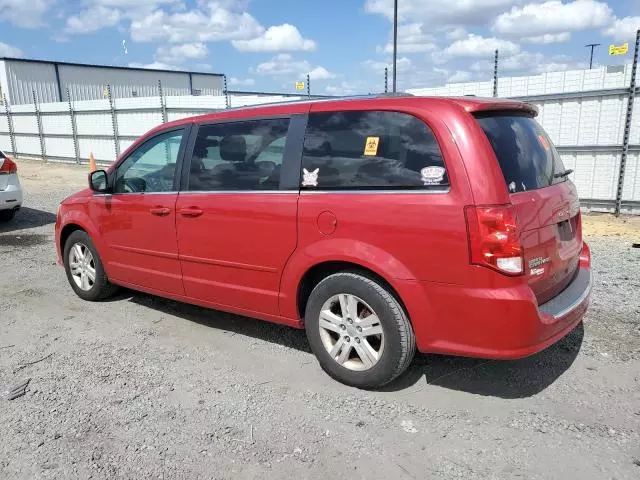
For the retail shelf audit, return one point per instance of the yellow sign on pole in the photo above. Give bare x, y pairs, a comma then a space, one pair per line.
299, 85
619, 49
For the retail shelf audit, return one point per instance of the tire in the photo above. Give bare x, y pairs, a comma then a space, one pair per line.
98, 289
396, 345
7, 215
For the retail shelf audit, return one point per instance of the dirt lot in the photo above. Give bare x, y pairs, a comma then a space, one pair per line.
140, 387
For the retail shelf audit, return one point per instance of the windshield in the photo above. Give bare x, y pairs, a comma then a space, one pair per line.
526, 155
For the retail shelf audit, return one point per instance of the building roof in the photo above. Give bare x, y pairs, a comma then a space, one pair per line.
112, 67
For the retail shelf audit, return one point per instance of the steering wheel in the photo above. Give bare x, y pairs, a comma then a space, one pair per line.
134, 185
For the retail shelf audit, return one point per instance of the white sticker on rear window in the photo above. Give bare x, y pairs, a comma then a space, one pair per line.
432, 175
310, 179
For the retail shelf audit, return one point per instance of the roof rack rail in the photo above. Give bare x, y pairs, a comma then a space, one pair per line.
395, 94
322, 100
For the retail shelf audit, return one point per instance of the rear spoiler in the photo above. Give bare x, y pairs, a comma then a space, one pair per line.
503, 106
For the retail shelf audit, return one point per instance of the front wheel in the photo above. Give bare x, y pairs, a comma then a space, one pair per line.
358, 331
84, 268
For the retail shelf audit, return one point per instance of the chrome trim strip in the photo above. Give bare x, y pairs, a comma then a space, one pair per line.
268, 192
376, 192
142, 251
567, 310
273, 192
95, 194
225, 263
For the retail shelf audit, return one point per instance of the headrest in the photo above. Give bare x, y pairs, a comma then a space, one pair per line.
316, 147
200, 149
233, 148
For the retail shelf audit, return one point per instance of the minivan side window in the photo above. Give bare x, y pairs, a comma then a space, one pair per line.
354, 150
151, 167
243, 155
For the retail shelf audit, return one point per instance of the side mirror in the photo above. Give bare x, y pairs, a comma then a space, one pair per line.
98, 181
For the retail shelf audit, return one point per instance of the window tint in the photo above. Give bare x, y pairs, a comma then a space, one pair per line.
151, 168
370, 150
238, 156
526, 155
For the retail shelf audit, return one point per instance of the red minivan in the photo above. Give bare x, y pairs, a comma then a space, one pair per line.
378, 224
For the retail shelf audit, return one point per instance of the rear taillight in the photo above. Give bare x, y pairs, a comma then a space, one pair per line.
8, 166
493, 238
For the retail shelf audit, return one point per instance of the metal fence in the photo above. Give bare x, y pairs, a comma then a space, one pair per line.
587, 113
70, 131
593, 117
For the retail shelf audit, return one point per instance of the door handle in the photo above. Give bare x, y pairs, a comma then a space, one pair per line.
160, 211
191, 212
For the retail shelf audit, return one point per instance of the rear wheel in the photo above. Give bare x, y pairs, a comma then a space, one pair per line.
84, 268
7, 215
358, 330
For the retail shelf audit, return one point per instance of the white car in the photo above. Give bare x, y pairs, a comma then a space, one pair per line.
10, 189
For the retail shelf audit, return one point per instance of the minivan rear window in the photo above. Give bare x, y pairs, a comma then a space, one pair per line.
527, 157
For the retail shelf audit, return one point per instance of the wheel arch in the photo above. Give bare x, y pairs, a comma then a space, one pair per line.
73, 221
316, 273
66, 232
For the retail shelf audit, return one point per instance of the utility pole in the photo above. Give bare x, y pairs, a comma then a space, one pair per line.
386, 80
592, 46
495, 74
395, 42
626, 138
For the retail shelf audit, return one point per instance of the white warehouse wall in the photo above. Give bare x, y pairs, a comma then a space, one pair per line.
20, 78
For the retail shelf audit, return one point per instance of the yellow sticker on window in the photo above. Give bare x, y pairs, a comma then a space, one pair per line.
371, 147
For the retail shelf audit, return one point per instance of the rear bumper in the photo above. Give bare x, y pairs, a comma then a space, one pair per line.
504, 323
11, 196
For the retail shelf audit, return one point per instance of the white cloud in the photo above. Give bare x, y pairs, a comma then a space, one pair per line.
553, 17
24, 13
623, 29
457, 33
134, 3
403, 64
441, 13
9, 51
284, 64
206, 67
241, 82
411, 39
349, 88
153, 66
321, 73
215, 23
177, 54
459, 76
278, 38
549, 38
530, 63
93, 19
478, 46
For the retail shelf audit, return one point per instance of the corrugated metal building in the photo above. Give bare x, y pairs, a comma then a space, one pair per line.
19, 78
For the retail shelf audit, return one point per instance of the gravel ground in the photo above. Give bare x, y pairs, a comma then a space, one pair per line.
141, 387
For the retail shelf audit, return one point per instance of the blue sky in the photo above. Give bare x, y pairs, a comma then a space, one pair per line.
268, 45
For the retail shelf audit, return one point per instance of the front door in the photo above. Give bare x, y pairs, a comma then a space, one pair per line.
138, 220
236, 224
